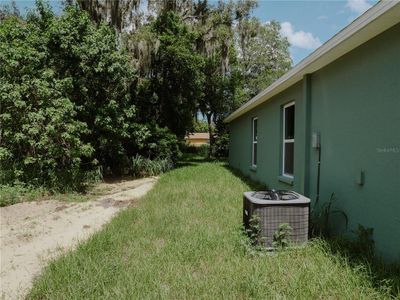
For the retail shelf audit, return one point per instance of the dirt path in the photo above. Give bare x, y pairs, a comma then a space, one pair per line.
32, 233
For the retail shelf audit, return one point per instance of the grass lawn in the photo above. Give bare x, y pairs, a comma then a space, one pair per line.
184, 241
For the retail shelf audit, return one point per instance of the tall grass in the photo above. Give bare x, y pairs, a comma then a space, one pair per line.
142, 167
19, 192
184, 241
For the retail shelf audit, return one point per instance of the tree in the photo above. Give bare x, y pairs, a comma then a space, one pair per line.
200, 126
131, 15
119, 14
102, 79
216, 43
263, 54
176, 77
194, 55
9, 10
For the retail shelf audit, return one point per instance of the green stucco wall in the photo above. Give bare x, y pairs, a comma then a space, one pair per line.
354, 103
269, 140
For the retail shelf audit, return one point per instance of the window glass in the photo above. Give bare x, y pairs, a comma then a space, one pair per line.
289, 159
288, 119
289, 122
254, 142
254, 129
255, 154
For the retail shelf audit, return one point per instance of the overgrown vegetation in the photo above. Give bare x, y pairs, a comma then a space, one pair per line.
254, 231
321, 217
184, 241
142, 167
84, 92
360, 252
67, 112
281, 236
359, 248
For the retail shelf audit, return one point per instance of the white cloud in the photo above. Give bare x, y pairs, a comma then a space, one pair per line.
300, 39
323, 17
358, 6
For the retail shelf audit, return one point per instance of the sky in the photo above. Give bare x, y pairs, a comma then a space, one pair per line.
306, 24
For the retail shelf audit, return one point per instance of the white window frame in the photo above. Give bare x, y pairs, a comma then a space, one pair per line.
253, 141
286, 141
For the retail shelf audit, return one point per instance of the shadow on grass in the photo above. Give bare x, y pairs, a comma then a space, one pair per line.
193, 159
382, 275
254, 185
118, 179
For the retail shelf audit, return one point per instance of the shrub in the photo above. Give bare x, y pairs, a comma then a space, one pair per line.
66, 107
159, 143
220, 147
143, 167
41, 137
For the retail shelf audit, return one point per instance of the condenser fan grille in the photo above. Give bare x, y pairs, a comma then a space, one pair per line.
275, 195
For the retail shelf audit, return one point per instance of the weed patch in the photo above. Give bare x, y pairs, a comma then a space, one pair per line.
183, 242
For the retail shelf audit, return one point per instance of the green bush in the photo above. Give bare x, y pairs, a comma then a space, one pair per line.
220, 147
69, 98
159, 143
143, 167
41, 138
66, 110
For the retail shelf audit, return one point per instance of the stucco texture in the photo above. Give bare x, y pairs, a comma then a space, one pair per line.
354, 103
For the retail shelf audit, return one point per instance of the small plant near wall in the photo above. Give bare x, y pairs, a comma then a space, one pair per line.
360, 253
254, 231
321, 216
251, 238
364, 243
254, 242
281, 236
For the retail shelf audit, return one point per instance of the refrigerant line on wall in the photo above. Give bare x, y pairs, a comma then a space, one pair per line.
318, 172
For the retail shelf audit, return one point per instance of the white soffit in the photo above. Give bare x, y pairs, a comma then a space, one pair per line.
374, 21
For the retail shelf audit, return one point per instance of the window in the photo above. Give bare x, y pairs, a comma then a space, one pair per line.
288, 140
254, 142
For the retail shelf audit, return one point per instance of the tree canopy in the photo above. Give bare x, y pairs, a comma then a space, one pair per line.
84, 92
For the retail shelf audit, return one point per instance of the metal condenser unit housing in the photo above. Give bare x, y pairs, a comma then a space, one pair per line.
276, 207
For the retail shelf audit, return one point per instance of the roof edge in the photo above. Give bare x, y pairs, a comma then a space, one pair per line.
362, 29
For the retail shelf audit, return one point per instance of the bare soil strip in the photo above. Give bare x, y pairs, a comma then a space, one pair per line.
32, 233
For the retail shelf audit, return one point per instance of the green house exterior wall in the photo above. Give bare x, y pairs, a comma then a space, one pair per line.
354, 103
